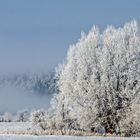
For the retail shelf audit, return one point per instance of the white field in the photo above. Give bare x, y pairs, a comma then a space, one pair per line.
7, 131
14, 137
15, 127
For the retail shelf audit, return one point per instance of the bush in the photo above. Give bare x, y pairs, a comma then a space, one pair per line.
22, 116
39, 118
7, 117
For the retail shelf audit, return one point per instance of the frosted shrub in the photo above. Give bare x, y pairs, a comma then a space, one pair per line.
1, 118
7, 117
40, 119
22, 116
67, 124
130, 125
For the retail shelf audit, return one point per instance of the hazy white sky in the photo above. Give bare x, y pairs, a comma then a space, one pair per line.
35, 34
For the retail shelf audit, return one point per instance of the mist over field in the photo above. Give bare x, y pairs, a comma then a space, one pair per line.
13, 100
26, 91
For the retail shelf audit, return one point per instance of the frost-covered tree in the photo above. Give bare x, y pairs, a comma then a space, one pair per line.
76, 79
100, 78
119, 80
22, 116
7, 117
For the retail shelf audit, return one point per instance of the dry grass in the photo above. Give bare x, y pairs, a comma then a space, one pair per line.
57, 132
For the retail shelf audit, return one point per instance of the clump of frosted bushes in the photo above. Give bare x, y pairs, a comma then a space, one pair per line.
21, 116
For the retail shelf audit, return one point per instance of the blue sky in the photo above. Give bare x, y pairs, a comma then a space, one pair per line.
35, 34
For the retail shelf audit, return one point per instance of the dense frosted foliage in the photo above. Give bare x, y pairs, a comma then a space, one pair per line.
99, 82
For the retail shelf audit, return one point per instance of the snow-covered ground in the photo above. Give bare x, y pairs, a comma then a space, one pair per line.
14, 126
13, 131
12, 137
